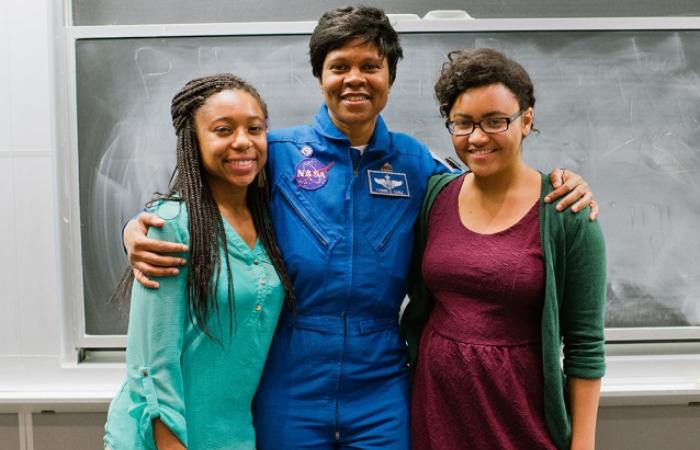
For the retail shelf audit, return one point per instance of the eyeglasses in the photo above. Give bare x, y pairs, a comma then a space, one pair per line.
465, 127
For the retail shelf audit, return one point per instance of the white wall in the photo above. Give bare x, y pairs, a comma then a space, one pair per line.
29, 295
32, 362
35, 348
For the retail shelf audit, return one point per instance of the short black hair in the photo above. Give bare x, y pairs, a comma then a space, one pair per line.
466, 69
368, 24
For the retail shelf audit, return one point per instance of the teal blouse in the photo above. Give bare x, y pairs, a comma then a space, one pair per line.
200, 387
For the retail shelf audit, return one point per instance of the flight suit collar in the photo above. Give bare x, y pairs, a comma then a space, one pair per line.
324, 125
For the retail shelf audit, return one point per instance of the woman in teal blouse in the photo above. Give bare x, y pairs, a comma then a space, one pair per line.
197, 346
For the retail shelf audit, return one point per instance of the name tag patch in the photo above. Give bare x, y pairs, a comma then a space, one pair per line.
391, 184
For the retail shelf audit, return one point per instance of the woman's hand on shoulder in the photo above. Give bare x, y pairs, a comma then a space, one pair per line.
149, 257
575, 192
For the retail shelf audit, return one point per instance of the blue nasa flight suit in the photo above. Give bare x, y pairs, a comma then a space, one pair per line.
336, 373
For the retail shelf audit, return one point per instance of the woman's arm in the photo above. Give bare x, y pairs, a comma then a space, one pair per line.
582, 317
583, 397
157, 324
165, 439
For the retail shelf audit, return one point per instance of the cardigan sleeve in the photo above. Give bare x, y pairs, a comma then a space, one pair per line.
582, 309
157, 323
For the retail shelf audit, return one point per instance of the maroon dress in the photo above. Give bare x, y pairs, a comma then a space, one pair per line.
479, 381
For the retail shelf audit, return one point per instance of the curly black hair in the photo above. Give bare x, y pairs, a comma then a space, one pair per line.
466, 69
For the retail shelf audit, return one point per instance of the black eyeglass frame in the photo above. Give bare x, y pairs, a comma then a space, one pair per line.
449, 124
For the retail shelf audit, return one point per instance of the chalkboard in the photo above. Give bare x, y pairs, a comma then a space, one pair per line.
620, 107
134, 12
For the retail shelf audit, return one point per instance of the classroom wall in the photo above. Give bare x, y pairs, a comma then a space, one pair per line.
30, 318
29, 294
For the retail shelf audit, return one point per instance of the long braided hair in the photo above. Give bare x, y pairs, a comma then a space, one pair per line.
206, 227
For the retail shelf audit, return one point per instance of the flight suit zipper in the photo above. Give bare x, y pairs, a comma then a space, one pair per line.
340, 377
355, 157
356, 160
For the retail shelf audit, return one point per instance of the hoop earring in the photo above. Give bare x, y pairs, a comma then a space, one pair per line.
262, 178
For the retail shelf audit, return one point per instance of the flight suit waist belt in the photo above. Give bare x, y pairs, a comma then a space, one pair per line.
336, 324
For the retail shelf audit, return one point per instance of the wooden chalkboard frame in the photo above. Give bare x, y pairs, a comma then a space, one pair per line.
68, 161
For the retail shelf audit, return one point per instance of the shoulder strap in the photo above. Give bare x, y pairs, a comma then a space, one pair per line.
416, 313
436, 184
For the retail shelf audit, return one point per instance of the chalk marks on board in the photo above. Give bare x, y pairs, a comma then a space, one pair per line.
207, 56
295, 78
151, 63
648, 308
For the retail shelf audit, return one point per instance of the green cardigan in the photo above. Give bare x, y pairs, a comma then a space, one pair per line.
574, 300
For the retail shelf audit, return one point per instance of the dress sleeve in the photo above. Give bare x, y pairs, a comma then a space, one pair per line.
583, 307
157, 323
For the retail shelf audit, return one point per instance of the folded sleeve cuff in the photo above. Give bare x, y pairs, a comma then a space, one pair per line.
149, 408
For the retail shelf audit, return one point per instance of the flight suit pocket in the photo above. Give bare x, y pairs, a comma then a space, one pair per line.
394, 213
306, 213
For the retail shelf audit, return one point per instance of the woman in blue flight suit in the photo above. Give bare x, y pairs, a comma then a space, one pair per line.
346, 193
345, 196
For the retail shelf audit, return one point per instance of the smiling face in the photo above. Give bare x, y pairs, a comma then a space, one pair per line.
232, 137
355, 83
486, 154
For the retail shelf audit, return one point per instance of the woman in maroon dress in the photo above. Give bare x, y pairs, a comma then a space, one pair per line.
510, 280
